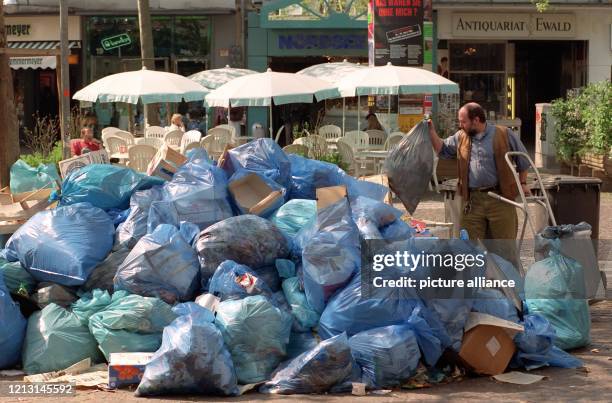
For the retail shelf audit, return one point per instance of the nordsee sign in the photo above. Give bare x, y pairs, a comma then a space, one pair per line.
322, 41
116, 41
514, 25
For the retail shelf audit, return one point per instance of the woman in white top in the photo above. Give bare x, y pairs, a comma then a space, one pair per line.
176, 123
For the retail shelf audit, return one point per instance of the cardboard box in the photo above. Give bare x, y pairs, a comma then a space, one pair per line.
74, 163
330, 195
253, 195
127, 368
165, 163
488, 345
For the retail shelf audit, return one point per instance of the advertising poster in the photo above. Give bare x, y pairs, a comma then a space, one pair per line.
395, 32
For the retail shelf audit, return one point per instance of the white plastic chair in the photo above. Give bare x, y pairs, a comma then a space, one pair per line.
115, 146
140, 157
330, 132
393, 139
298, 149
173, 139
107, 131
317, 145
191, 146
347, 155
376, 139
215, 143
155, 131
126, 136
434, 175
357, 139
150, 141
192, 136
279, 132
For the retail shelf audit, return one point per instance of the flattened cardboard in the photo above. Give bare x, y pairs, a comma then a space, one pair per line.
74, 163
330, 195
253, 195
488, 344
165, 163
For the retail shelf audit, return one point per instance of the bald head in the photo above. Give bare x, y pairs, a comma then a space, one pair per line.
472, 118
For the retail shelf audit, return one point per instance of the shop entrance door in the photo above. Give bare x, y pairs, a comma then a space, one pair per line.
189, 66
545, 70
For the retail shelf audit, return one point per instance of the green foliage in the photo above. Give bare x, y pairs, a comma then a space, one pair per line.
541, 5
584, 121
38, 158
334, 158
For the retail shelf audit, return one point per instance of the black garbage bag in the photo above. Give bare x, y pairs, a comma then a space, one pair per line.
409, 166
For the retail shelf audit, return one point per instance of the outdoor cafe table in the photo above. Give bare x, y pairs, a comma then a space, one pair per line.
378, 156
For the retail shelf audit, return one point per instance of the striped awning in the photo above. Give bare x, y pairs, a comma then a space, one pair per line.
41, 45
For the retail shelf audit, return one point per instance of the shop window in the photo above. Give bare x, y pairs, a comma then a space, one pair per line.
480, 71
191, 36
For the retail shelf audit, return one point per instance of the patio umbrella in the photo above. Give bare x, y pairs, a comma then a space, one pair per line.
217, 77
263, 89
147, 86
332, 73
395, 80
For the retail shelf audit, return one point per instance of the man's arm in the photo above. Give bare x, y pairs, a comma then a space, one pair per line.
447, 148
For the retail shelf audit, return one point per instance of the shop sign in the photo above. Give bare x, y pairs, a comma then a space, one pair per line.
35, 62
116, 41
17, 30
322, 41
514, 25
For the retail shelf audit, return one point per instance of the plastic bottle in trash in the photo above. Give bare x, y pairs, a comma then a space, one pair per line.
257, 131
463, 235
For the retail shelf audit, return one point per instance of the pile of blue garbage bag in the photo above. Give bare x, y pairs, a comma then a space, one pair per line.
290, 315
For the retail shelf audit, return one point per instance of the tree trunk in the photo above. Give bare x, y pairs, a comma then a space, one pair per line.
64, 69
147, 54
9, 127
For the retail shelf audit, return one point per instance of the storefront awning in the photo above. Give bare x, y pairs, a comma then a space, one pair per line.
42, 45
33, 62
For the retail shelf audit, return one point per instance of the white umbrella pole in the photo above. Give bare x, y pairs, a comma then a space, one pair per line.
358, 113
343, 107
389, 113
270, 125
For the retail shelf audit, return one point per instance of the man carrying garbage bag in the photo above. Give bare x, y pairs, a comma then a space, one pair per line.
480, 148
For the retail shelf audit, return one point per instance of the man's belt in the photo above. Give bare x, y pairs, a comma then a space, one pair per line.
485, 189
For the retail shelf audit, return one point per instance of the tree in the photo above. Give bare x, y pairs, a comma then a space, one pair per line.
9, 127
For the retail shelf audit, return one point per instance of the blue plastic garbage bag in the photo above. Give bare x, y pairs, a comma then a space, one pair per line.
554, 288
256, 333
295, 215
493, 302
189, 308
236, 281
130, 323
135, 225
192, 359
300, 342
25, 178
300, 308
162, 264
307, 175
314, 371
274, 187
285, 268
12, 331
89, 304
372, 215
118, 216
398, 229
65, 244
535, 346
427, 339
246, 239
197, 193
332, 255
55, 340
197, 155
452, 314
387, 355
104, 186
270, 276
262, 156
347, 312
